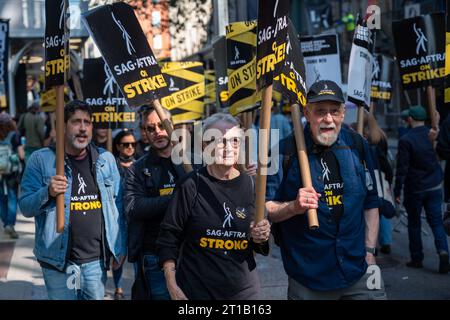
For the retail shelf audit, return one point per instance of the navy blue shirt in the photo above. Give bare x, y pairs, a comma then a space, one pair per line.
332, 256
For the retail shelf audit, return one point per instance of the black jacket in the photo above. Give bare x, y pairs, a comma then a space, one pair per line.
418, 168
144, 207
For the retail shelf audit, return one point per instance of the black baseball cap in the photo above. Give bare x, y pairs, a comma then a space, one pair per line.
325, 90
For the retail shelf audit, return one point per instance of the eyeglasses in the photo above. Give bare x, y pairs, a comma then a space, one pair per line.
128, 144
234, 141
152, 128
322, 112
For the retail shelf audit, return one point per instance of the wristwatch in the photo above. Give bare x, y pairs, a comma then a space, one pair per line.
371, 250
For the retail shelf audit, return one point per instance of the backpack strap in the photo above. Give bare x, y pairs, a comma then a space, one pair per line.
288, 155
358, 145
9, 137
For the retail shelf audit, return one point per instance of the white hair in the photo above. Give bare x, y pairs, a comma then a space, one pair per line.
219, 117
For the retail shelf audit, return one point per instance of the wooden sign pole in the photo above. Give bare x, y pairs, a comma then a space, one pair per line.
169, 129
360, 123
372, 107
261, 174
431, 95
248, 116
59, 154
303, 161
109, 141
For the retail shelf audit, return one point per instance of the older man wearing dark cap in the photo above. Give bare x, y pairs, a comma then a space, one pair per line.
332, 261
420, 176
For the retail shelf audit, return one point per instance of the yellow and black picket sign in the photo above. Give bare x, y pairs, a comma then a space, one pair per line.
210, 87
186, 82
48, 99
241, 66
419, 50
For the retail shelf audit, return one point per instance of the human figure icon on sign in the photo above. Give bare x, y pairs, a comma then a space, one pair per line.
421, 39
317, 74
108, 89
125, 35
236, 53
376, 69
63, 13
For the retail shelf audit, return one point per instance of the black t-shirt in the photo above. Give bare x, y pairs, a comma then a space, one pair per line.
85, 213
210, 219
333, 184
166, 186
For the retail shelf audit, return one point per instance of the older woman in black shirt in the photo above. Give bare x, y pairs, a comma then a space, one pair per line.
208, 235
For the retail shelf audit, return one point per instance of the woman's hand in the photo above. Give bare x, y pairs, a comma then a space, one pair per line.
260, 232
117, 264
169, 273
175, 291
251, 169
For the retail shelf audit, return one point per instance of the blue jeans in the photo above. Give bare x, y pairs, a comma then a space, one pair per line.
77, 282
8, 205
154, 276
432, 202
385, 234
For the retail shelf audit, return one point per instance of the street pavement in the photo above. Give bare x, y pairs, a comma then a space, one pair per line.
24, 278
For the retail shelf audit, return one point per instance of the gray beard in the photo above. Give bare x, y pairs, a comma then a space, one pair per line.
78, 146
327, 141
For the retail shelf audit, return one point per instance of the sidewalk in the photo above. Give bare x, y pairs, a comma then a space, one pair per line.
24, 279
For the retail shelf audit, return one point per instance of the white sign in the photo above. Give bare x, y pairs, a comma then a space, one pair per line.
321, 58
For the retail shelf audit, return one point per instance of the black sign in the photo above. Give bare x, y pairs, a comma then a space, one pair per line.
4, 44
220, 65
56, 43
381, 78
271, 40
101, 92
420, 47
124, 47
291, 80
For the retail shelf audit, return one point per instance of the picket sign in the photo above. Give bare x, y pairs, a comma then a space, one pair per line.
124, 47
57, 64
270, 56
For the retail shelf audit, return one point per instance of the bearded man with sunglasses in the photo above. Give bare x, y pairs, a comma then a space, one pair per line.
330, 262
149, 184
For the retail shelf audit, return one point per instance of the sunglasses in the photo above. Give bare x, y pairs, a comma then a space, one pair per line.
128, 144
152, 128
